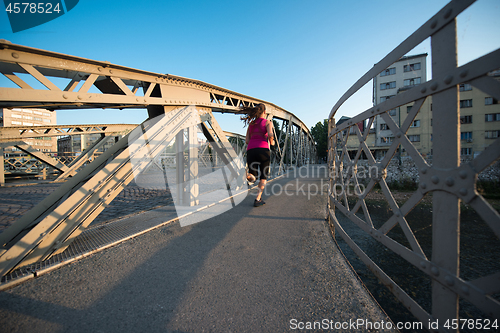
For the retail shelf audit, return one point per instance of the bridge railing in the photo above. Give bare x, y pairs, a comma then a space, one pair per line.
447, 181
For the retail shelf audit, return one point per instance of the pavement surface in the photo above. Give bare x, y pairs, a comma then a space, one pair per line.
273, 268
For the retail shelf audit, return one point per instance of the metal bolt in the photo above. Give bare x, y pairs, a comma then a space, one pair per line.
434, 24
398, 135
65, 96
80, 97
448, 79
448, 13
463, 174
15, 55
99, 69
423, 264
449, 280
423, 185
434, 86
464, 73
463, 192
423, 171
435, 179
110, 71
397, 214
423, 90
450, 181
435, 271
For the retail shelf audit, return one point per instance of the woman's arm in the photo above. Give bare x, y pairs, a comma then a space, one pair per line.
247, 139
270, 132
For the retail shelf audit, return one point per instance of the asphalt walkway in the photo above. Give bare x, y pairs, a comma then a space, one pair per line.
273, 268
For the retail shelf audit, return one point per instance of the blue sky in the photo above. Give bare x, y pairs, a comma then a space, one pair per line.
301, 55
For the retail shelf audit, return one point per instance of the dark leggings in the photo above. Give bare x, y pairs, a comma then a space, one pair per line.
258, 160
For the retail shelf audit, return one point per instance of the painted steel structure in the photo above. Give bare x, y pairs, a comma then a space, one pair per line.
447, 180
50, 227
16, 136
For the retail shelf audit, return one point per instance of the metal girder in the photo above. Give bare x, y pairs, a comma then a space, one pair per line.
447, 180
118, 86
9, 134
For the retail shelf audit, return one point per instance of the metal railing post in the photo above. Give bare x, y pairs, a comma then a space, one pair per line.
446, 145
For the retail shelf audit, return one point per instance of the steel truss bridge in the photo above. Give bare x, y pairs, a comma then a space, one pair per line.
448, 181
177, 108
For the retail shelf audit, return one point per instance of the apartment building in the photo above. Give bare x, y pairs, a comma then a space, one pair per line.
479, 113
78, 143
30, 117
479, 119
404, 74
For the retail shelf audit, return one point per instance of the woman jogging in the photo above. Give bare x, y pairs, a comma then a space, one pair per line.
259, 134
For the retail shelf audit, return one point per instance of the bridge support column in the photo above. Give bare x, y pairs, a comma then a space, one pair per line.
446, 206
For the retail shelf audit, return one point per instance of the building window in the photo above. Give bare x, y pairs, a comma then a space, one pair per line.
465, 87
412, 67
387, 139
466, 136
13, 122
466, 151
389, 71
492, 134
492, 117
384, 98
466, 120
414, 138
466, 103
388, 85
392, 112
384, 127
411, 82
490, 101
416, 123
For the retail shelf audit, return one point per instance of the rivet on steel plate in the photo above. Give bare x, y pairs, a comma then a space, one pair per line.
435, 271
463, 174
398, 135
423, 90
463, 191
423, 171
448, 79
423, 264
15, 55
397, 214
65, 96
449, 280
450, 181
465, 290
435, 179
110, 71
464, 73
423, 185
434, 24
448, 13
80, 97
434, 86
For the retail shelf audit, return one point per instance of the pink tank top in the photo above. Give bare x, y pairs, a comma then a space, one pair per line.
258, 134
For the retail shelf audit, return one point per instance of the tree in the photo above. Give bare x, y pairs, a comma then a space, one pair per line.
319, 133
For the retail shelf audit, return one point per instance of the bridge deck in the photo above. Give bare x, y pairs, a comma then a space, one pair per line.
246, 270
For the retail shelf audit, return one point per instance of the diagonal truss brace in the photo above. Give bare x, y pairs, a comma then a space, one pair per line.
54, 223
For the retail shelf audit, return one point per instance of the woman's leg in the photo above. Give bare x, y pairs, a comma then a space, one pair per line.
262, 185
